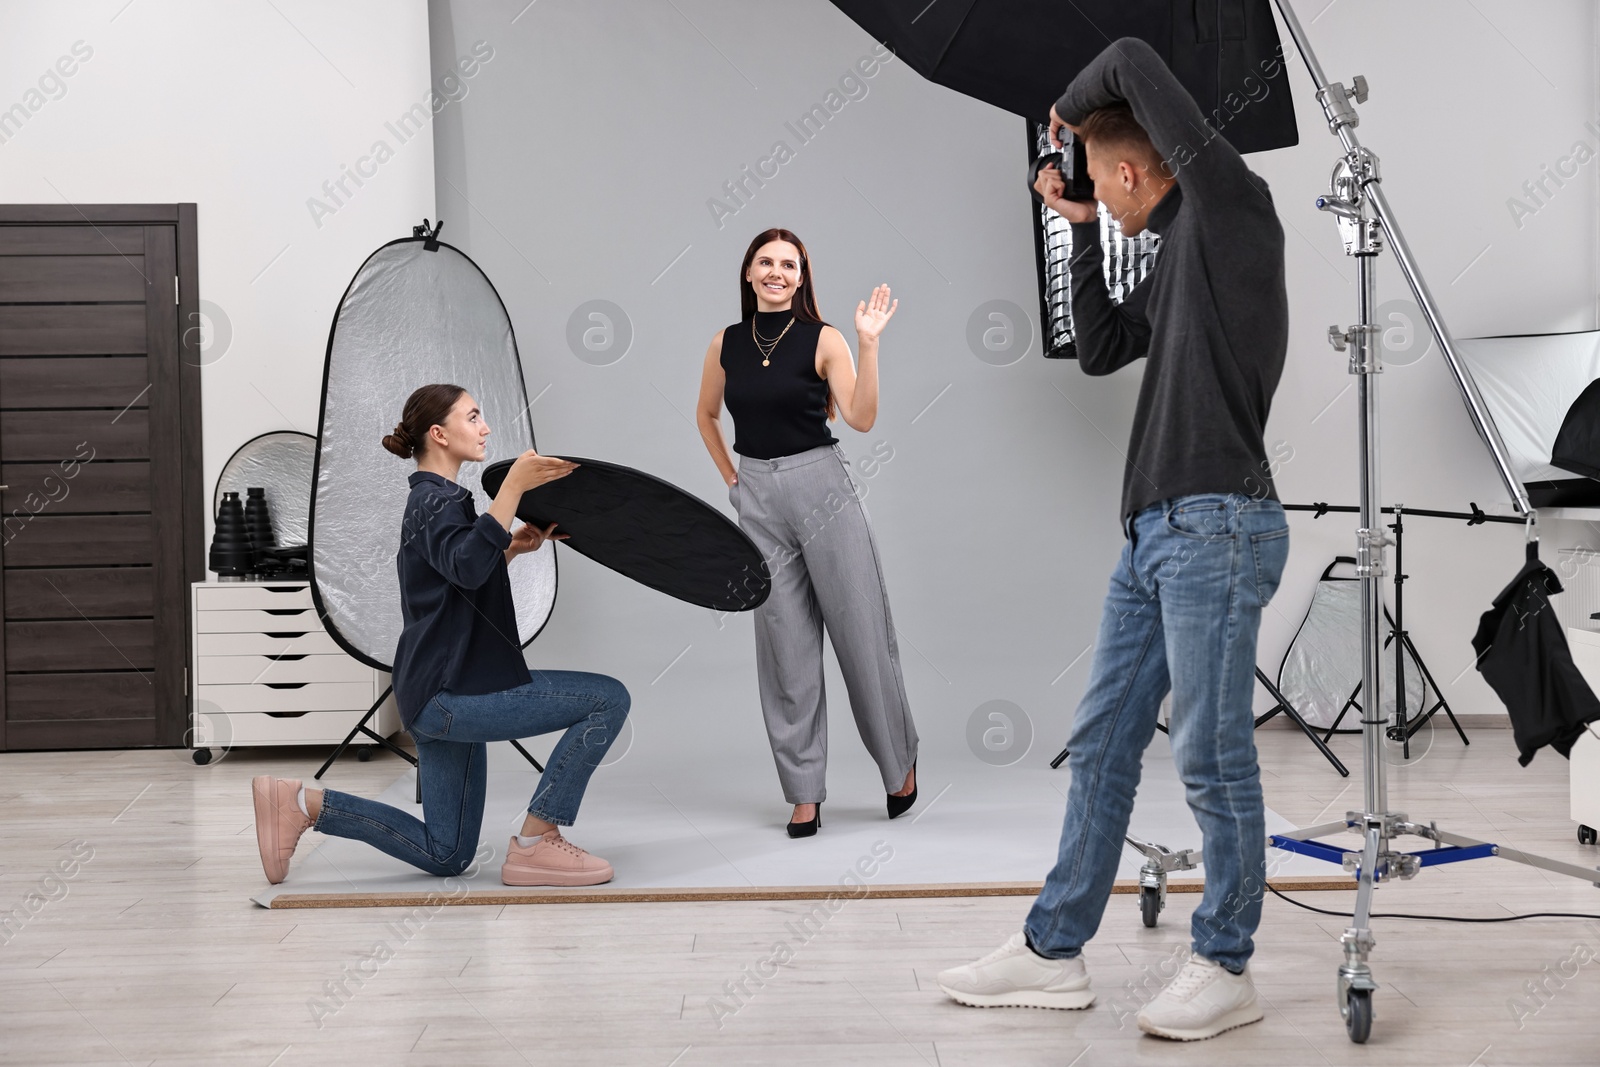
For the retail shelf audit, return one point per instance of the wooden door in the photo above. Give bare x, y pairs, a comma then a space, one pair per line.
99, 454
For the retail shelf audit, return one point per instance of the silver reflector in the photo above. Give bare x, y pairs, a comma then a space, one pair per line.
410, 317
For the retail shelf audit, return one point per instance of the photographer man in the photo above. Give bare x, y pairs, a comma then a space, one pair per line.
1206, 539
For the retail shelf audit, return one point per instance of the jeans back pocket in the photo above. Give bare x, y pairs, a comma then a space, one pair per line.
1271, 553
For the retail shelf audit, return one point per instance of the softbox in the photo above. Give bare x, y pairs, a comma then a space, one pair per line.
418, 311
1530, 384
1577, 446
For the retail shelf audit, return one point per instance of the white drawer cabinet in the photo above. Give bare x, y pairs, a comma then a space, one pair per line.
1584, 764
265, 671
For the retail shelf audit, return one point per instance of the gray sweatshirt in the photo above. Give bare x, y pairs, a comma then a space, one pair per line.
1212, 318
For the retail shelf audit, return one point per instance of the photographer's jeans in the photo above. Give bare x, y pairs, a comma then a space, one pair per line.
1182, 614
451, 731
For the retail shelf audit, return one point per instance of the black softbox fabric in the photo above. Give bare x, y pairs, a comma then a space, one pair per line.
1577, 446
1019, 55
1523, 655
647, 529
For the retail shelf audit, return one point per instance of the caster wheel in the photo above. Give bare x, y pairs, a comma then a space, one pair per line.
1149, 905
202, 756
364, 753
1358, 1015
1586, 835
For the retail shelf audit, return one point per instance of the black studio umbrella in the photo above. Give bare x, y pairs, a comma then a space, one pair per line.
1523, 655
1019, 55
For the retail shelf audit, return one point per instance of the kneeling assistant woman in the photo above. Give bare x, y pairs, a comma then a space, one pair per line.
460, 679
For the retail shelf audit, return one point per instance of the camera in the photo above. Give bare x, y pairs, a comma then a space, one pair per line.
1072, 162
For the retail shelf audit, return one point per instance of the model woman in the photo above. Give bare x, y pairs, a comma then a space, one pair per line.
459, 676
784, 374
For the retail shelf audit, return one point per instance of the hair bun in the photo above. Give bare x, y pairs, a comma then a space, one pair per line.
401, 443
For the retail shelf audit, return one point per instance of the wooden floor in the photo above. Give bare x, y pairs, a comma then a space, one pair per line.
149, 952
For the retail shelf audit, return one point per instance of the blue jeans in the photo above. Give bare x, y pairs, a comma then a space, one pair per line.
451, 731
1182, 614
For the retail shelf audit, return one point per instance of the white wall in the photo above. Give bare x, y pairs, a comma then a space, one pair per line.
1468, 101
246, 109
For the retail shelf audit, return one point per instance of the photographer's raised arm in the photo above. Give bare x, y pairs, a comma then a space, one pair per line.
1110, 336
1211, 171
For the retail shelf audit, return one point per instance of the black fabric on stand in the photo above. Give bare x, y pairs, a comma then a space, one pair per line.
1577, 446
1019, 54
647, 529
1523, 655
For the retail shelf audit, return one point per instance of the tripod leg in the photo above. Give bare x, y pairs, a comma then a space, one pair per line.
1288, 709
1427, 677
356, 729
1061, 757
526, 755
1348, 704
391, 746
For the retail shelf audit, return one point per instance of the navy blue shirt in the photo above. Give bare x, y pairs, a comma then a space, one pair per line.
460, 625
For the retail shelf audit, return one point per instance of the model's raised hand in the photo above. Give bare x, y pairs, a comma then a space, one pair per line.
873, 314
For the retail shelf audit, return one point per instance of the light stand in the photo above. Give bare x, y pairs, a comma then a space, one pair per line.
1365, 222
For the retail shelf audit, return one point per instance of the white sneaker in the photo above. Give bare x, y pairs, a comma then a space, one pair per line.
1014, 976
1202, 1001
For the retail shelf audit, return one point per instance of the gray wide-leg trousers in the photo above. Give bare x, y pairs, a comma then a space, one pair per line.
805, 515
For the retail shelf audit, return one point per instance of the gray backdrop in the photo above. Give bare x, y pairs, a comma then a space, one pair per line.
578, 168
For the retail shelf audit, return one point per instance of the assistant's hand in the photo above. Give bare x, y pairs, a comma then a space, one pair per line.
529, 538
532, 470
873, 314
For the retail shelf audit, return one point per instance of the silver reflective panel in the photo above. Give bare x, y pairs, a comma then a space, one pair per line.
281, 463
409, 318
1323, 666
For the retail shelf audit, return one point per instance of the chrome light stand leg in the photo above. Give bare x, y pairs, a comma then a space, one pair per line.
1366, 224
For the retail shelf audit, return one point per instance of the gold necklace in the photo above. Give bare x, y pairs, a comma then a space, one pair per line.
766, 350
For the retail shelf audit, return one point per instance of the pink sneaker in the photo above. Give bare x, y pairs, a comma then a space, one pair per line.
279, 822
552, 860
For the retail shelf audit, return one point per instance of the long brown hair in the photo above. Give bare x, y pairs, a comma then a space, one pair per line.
804, 304
427, 407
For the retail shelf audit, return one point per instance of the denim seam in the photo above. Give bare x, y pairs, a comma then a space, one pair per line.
387, 830
557, 771
1115, 720
1230, 637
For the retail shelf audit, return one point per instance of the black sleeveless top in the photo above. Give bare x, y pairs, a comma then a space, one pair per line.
782, 408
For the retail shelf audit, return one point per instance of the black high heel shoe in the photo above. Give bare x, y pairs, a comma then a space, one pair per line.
898, 806
809, 827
